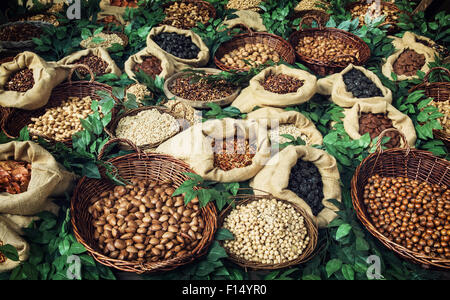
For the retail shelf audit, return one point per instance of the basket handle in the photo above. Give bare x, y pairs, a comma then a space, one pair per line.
310, 17
246, 28
403, 137
426, 77
172, 110
345, 55
74, 67
115, 140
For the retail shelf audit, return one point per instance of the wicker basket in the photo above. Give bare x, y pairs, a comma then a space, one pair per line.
21, 44
111, 128
411, 163
15, 119
136, 165
326, 68
276, 43
202, 4
438, 91
199, 104
320, 15
307, 253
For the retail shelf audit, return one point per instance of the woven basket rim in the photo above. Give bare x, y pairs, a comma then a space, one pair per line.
134, 266
307, 254
359, 207
22, 44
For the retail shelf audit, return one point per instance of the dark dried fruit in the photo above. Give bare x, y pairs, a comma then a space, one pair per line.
306, 182
14, 176
20, 81
177, 44
360, 85
281, 83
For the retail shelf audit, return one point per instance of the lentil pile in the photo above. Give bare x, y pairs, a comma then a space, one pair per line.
185, 15
266, 231
14, 176
306, 182
233, 153
326, 49
201, 90
444, 108
151, 65
256, 54
108, 39
281, 83
147, 127
143, 222
19, 32
95, 63
20, 81
177, 44
411, 213
276, 138
374, 124
360, 85
375, 10
408, 63
61, 122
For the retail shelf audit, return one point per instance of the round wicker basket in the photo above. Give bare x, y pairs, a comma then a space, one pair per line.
112, 126
306, 255
320, 15
15, 119
276, 43
136, 165
21, 44
438, 91
199, 3
326, 68
199, 104
411, 163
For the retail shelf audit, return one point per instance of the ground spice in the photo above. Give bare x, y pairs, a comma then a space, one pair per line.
281, 83
151, 66
14, 176
19, 32
95, 63
233, 153
374, 124
20, 81
201, 90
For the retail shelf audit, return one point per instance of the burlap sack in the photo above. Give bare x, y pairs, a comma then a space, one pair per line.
11, 237
194, 147
133, 60
274, 179
100, 52
249, 18
255, 94
408, 42
180, 63
46, 76
268, 114
48, 179
334, 85
399, 120
110, 10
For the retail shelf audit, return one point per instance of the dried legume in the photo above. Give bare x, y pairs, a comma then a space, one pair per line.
256, 54
20, 81
140, 91
185, 15
95, 63
408, 63
108, 39
375, 10
444, 108
281, 83
201, 90
19, 32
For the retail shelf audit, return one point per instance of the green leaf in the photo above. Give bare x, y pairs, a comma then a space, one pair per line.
361, 244
76, 248
348, 272
343, 230
90, 170
224, 234
332, 266
9, 252
216, 252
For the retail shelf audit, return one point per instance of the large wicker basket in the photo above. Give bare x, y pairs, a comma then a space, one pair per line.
22, 44
411, 163
200, 3
438, 91
136, 165
326, 68
307, 253
276, 43
16, 119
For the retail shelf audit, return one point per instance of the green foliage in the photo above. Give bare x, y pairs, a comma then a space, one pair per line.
276, 16
438, 30
217, 112
156, 86
10, 252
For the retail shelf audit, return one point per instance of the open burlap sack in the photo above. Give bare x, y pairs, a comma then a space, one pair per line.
180, 63
48, 179
194, 147
249, 18
11, 237
255, 94
135, 59
334, 85
111, 10
100, 52
46, 76
274, 179
399, 120
268, 115
408, 42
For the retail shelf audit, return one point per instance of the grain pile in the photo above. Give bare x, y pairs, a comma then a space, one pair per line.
276, 138
105, 40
